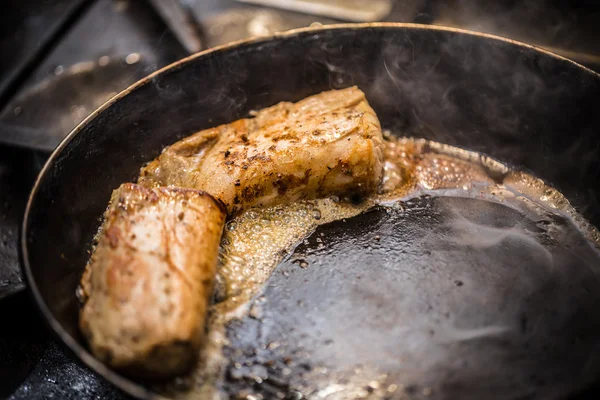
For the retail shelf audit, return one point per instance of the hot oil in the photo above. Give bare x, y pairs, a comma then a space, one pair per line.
256, 241
253, 244
416, 167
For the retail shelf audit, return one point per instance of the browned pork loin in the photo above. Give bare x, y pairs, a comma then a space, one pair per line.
150, 277
149, 280
326, 144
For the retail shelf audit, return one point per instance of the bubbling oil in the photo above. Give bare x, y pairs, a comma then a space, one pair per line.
256, 241
416, 167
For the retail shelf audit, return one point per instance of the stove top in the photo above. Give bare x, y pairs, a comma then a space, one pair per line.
67, 57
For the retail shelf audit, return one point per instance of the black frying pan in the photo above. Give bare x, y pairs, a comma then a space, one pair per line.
436, 318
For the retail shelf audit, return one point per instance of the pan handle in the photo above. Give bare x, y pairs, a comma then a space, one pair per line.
181, 20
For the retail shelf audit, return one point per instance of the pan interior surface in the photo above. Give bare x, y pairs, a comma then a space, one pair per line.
443, 297
442, 318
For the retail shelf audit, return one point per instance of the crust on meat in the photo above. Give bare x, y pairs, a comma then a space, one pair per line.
326, 144
148, 283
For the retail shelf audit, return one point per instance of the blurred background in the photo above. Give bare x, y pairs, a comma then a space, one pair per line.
61, 59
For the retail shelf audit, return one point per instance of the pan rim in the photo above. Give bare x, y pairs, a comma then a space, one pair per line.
121, 382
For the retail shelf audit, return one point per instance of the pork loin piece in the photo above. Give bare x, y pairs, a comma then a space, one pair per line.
326, 144
148, 282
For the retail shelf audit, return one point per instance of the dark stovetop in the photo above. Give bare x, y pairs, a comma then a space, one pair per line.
32, 364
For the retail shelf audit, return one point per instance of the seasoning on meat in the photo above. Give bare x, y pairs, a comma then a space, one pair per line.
326, 144
148, 283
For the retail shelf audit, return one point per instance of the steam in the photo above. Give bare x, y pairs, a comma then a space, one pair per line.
453, 334
514, 20
482, 236
421, 79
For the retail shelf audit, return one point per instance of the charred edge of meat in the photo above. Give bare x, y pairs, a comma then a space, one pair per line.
283, 182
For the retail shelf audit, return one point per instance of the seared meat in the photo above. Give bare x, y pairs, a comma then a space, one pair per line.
147, 286
327, 144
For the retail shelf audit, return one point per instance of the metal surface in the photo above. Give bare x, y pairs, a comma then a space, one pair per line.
18, 169
30, 36
182, 22
239, 23
345, 10
564, 27
62, 91
57, 104
411, 302
33, 366
124, 41
505, 99
228, 20
94, 62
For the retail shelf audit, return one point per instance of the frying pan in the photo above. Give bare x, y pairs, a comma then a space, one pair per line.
416, 311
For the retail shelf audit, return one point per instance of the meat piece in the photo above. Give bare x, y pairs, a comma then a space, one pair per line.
148, 283
326, 144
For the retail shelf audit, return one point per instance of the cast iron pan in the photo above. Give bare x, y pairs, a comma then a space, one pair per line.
430, 309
